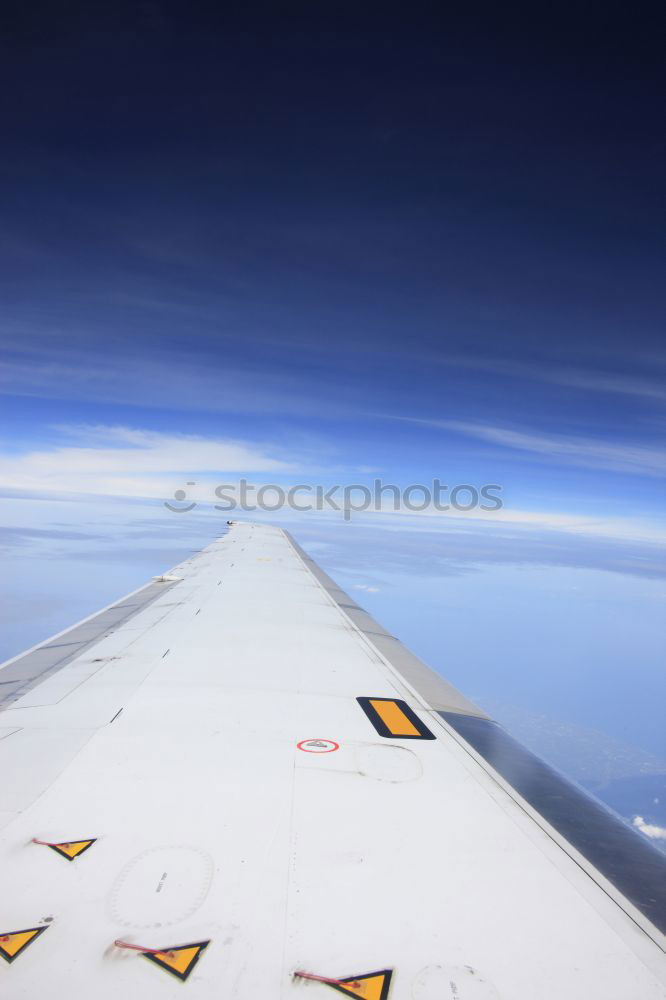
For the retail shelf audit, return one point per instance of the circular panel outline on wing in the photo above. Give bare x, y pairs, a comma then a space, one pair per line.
452, 982
387, 762
161, 886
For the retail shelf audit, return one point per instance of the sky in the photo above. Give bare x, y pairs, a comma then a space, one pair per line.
317, 244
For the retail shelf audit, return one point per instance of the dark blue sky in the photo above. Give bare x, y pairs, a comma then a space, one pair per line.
434, 181
355, 215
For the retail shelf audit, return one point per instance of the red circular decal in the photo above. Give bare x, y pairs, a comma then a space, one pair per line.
318, 746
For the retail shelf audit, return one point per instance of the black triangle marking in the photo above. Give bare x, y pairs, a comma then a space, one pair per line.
25, 930
63, 854
386, 973
201, 945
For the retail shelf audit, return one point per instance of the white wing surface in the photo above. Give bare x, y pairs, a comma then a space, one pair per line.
235, 784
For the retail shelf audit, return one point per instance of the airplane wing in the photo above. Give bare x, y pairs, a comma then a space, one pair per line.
234, 783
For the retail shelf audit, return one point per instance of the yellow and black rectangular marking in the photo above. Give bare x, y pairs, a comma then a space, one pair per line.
394, 719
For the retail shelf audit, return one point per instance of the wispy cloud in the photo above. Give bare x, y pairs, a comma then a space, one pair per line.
641, 386
124, 461
181, 381
588, 452
516, 520
649, 829
130, 462
445, 546
626, 385
14, 535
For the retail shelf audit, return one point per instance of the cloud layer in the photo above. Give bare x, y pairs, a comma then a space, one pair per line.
649, 829
130, 462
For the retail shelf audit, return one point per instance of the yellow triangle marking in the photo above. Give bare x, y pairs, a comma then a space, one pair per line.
181, 960
371, 986
14, 942
72, 848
